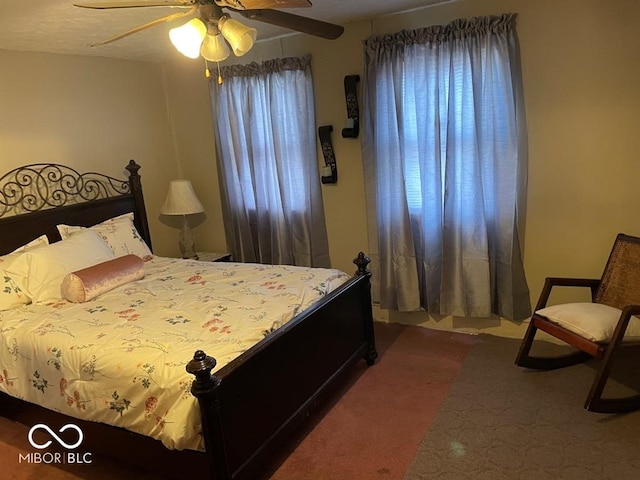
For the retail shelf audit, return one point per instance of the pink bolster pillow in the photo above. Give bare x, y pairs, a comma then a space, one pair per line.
86, 284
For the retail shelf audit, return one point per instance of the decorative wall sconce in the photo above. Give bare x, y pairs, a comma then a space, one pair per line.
330, 170
352, 127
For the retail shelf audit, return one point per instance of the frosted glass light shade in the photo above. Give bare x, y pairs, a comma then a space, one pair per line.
188, 37
181, 199
214, 48
239, 36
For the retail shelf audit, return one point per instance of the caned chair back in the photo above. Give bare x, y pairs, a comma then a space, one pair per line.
620, 282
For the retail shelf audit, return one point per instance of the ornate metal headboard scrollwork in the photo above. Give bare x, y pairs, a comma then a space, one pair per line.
47, 185
35, 198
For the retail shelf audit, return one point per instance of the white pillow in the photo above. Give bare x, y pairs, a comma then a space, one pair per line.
593, 321
120, 234
41, 241
10, 293
39, 272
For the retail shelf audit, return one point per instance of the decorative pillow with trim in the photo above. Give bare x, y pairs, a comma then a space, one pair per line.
593, 321
120, 234
39, 272
86, 284
11, 295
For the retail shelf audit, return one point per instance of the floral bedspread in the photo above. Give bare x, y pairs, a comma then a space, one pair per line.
120, 358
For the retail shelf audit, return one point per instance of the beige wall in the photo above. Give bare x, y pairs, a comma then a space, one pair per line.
581, 66
89, 113
190, 115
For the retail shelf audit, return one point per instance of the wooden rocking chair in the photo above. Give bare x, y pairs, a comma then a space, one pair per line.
596, 329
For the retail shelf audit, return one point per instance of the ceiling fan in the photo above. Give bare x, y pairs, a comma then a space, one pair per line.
206, 33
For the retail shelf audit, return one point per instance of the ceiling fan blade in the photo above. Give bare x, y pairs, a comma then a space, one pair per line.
259, 4
168, 18
311, 26
160, 3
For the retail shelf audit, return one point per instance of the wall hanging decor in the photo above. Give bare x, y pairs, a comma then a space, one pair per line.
330, 170
351, 97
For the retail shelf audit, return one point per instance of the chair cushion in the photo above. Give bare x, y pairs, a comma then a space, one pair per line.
593, 321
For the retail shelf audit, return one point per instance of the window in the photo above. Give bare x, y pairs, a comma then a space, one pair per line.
445, 162
265, 133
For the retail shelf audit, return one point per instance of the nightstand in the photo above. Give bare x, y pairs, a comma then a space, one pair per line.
214, 257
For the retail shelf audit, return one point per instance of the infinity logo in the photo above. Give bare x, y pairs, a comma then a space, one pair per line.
53, 434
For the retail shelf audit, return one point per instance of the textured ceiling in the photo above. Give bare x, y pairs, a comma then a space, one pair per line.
56, 26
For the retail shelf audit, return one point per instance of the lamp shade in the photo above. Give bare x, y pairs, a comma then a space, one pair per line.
214, 48
239, 36
181, 199
188, 37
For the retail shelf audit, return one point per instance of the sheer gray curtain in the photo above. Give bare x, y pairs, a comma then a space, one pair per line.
264, 120
445, 158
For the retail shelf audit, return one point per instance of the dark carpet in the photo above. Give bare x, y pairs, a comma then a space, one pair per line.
500, 421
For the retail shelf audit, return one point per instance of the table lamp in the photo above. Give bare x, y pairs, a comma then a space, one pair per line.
182, 200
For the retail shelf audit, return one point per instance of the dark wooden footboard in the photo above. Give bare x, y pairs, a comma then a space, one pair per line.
253, 403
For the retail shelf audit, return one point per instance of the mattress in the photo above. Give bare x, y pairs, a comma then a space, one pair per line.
120, 358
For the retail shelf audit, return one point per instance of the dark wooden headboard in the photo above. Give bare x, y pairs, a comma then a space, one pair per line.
35, 198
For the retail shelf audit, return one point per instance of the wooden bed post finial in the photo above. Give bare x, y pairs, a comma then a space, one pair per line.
200, 367
140, 213
362, 261
133, 168
205, 389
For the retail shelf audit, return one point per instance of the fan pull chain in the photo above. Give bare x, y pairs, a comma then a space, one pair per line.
219, 74
207, 72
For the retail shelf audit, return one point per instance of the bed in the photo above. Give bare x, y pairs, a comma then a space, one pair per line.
247, 407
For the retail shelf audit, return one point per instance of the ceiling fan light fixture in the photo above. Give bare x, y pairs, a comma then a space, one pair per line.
188, 37
214, 48
239, 36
